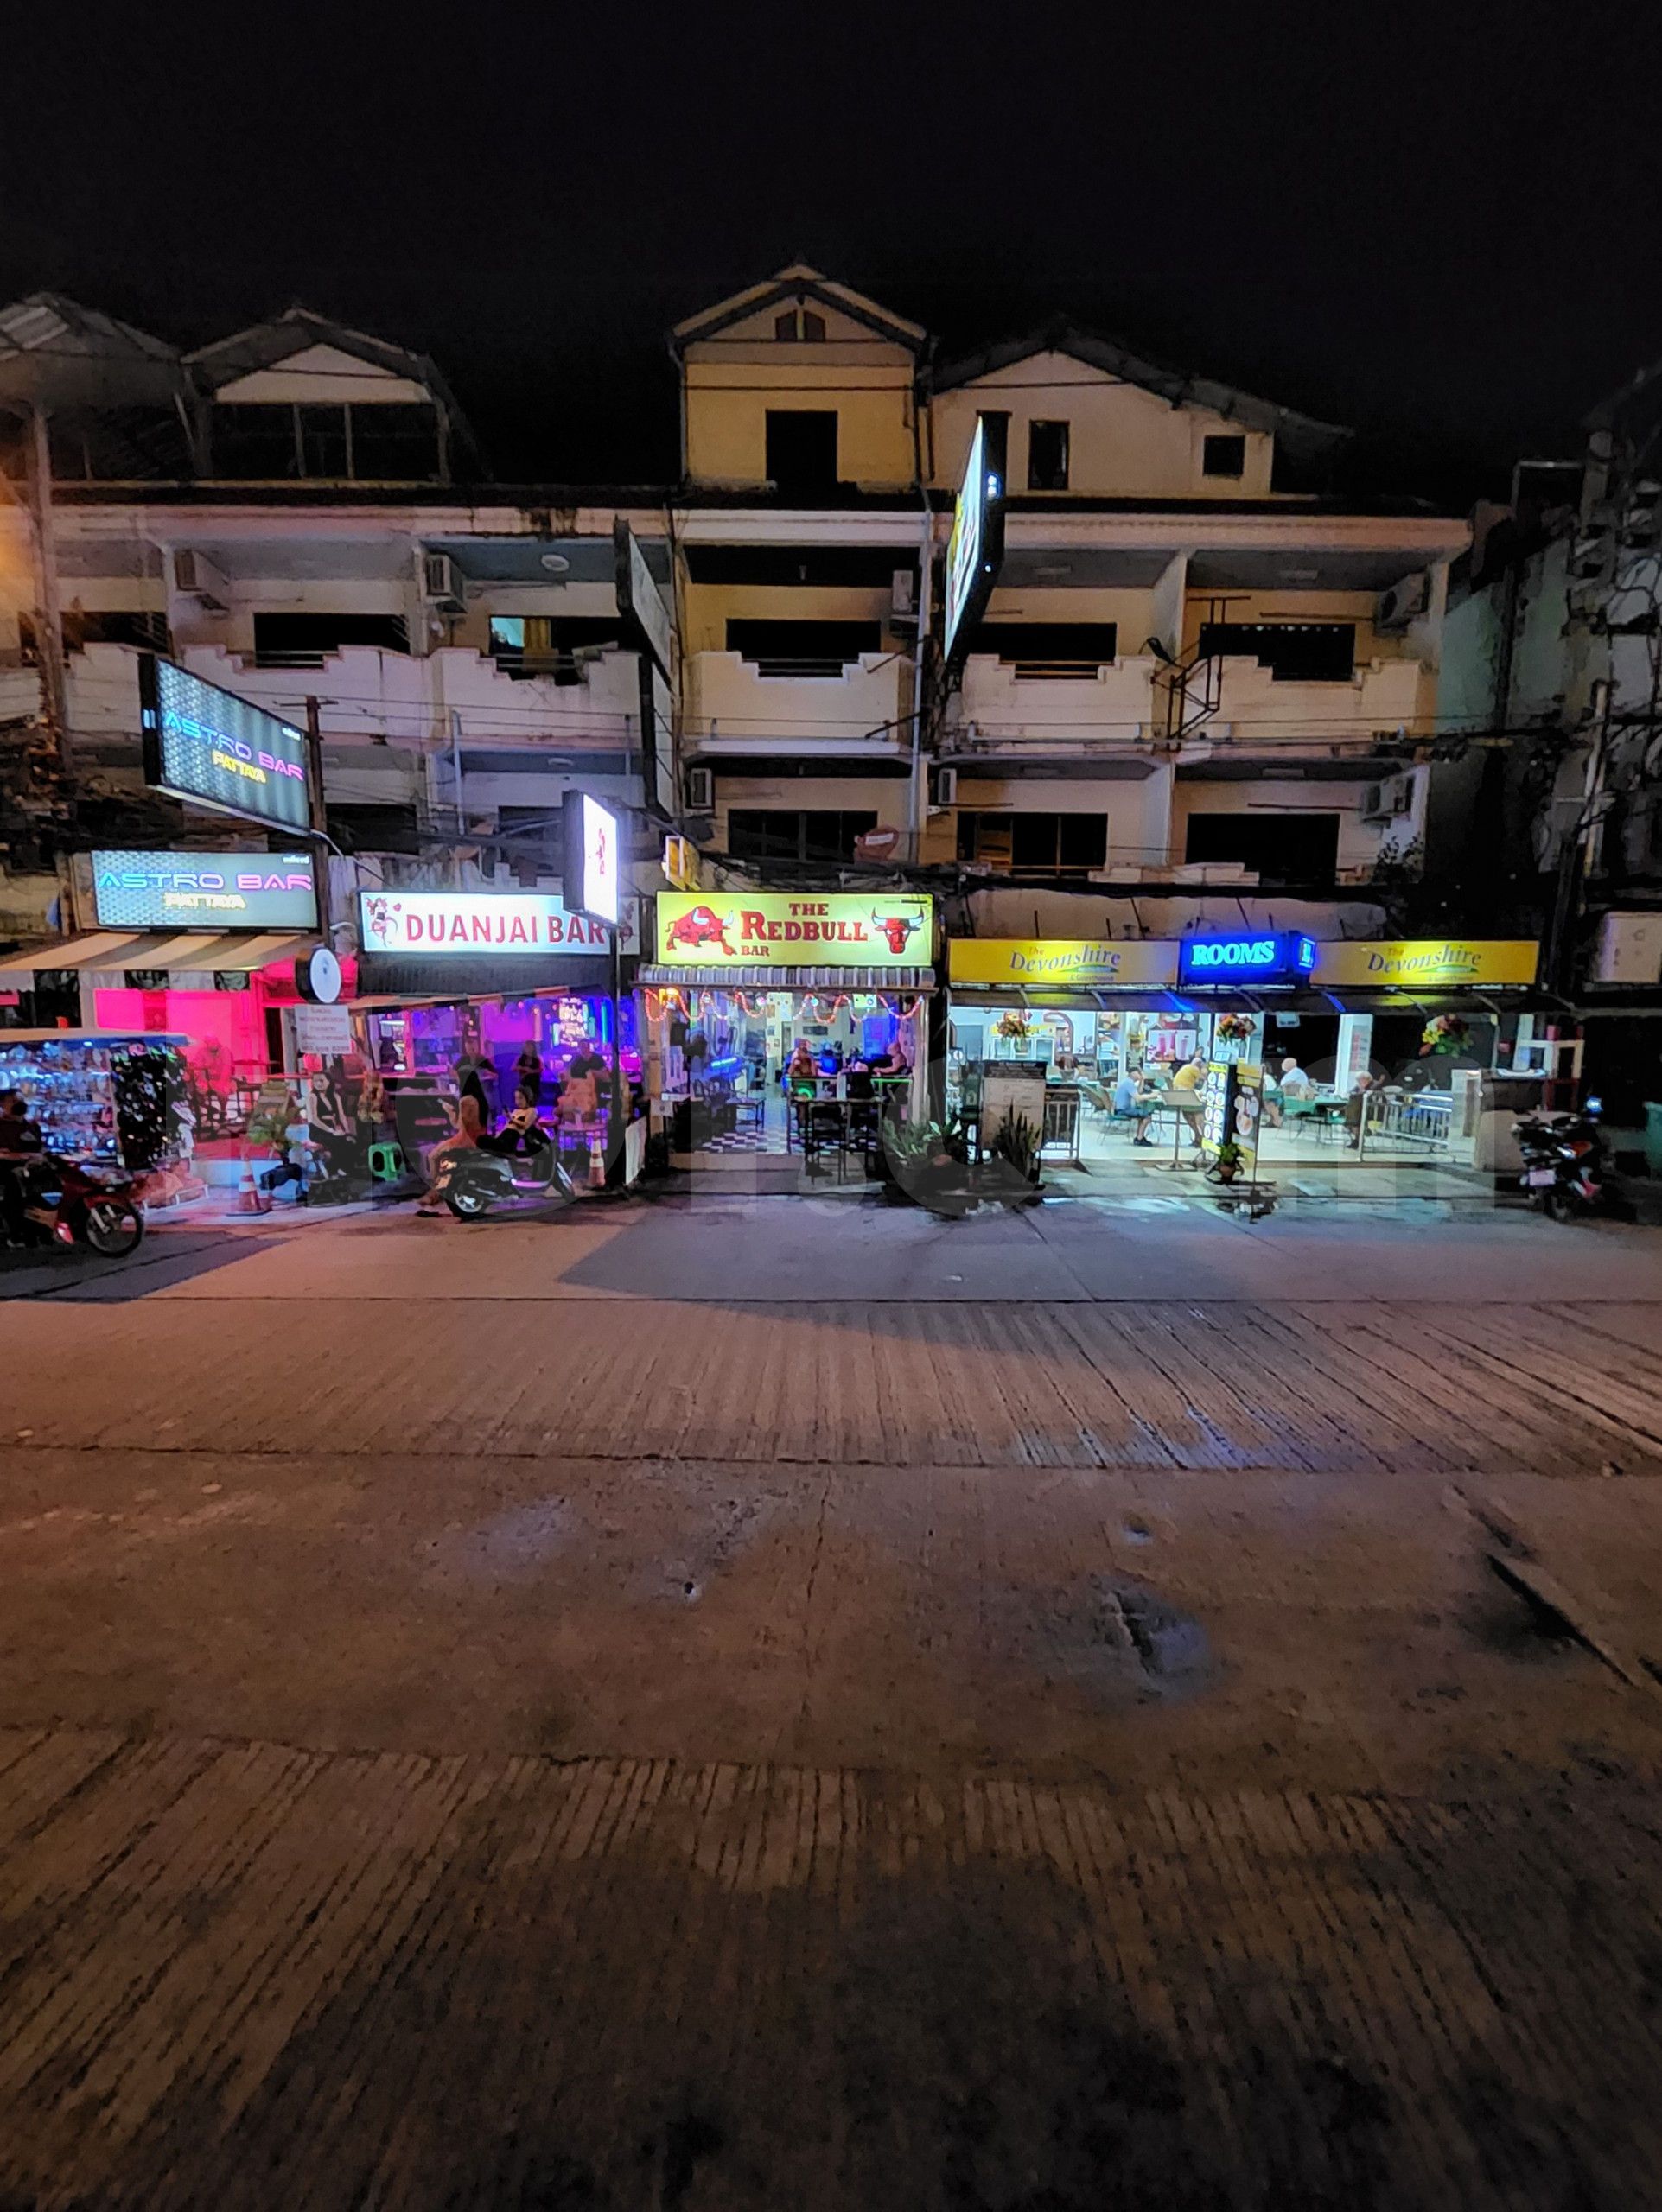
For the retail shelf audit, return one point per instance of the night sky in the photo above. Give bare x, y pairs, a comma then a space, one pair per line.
1439, 224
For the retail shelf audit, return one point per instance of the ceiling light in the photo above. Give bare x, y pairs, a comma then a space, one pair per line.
1300, 576
556, 563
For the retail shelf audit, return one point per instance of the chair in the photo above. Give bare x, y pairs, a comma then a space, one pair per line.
823, 1129
385, 1162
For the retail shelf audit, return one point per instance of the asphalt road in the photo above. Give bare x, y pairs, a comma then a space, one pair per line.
792, 1703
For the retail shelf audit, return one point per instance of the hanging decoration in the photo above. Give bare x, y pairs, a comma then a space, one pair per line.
1444, 1032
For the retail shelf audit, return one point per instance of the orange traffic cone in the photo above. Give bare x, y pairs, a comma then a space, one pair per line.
250, 1197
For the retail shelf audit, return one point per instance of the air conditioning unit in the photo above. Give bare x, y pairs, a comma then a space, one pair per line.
442, 584
700, 791
1396, 608
1388, 800
943, 787
195, 575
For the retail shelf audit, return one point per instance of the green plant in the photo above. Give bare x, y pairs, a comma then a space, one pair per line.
1228, 1161
1017, 1144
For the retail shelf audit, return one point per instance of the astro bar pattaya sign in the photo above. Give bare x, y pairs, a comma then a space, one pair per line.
760, 929
215, 750
504, 924
205, 891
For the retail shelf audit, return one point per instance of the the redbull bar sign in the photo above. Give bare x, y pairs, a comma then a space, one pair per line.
760, 929
502, 923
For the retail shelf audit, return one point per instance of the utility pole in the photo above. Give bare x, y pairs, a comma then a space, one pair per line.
49, 609
918, 809
320, 817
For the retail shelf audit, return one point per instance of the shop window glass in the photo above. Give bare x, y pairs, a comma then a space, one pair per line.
761, 834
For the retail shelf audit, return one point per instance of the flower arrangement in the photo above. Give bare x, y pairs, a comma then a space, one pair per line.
1444, 1032
1236, 1026
1015, 1024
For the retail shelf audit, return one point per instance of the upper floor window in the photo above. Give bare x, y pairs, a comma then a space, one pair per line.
1224, 456
306, 640
1048, 457
390, 441
802, 448
799, 323
1293, 652
802, 648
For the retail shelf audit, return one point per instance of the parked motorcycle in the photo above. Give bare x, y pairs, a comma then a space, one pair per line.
77, 1204
473, 1182
1565, 1162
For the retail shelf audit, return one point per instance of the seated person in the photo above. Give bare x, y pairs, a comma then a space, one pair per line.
522, 1132
800, 1073
1125, 1092
1296, 1083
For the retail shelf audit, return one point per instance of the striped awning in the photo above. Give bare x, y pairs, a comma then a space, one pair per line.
205, 952
763, 977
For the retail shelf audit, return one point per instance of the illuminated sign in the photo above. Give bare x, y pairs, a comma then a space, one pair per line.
205, 891
1273, 956
638, 600
593, 858
974, 551
1439, 964
515, 924
1060, 962
751, 929
215, 750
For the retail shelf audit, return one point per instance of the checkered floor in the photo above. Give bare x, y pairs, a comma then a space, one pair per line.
762, 1141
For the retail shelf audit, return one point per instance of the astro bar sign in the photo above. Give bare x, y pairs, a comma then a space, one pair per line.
515, 925
760, 929
1273, 956
213, 749
205, 891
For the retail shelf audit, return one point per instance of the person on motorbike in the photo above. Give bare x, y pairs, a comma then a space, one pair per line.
21, 1142
469, 1130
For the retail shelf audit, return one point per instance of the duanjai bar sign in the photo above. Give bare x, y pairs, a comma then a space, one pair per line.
504, 923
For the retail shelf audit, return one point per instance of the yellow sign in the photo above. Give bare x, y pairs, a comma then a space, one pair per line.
1426, 963
1061, 962
751, 929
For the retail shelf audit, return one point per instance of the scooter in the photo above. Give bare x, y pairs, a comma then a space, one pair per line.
472, 1183
76, 1205
1565, 1162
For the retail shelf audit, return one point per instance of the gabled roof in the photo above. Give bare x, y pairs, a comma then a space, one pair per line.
54, 350
268, 345
799, 281
1179, 386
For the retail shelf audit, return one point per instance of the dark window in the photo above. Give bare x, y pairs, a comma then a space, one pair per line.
1060, 649
255, 444
550, 644
396, 443
1224, 456
802, 448
1293, 652
1048, 457
1035, 844
147, 632
324, 450
784, 325
1280, 847
803, 648
813, 326
302, 640
113, 444
374, 829
391, 443
838, 567
755, 835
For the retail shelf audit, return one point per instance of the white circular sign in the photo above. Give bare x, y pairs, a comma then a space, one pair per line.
317, 975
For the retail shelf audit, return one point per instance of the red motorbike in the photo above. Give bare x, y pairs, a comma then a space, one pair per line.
76, 1205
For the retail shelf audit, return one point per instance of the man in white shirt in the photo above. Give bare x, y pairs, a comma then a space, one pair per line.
1294, 1082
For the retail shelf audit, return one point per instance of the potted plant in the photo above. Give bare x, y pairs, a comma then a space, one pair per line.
1226, 1162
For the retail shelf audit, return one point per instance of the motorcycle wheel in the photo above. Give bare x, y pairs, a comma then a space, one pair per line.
111, 1228
1559, 1205
466, 1202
